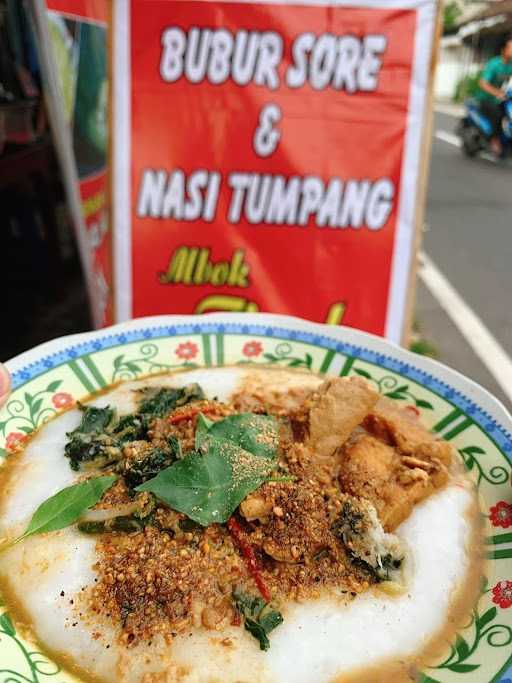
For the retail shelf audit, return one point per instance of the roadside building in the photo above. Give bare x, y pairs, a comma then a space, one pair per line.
476, 37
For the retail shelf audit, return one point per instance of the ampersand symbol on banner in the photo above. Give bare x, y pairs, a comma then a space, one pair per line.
266, 137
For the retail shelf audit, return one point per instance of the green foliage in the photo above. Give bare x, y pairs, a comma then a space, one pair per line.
161, 402
139, 469
257, 434
133, 427
259, 619
424, 348
452, 12
66, 506
208, 488
98, 440
94, 420
467, 86
90, 441
234, 457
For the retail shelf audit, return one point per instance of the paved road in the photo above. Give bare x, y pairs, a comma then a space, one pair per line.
469, 238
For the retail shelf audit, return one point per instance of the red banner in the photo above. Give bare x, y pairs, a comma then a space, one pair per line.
93, 193
272, 154
78, 34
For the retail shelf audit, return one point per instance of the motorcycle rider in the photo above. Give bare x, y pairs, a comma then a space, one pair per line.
490, 94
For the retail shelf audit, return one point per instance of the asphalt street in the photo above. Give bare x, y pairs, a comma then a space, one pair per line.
468, 235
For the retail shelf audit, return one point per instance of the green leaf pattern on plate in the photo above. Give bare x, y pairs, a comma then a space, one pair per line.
126, 366
393, 387
32, 666
29, 412
483, 627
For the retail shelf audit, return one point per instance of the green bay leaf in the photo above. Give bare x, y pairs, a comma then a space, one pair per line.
197, 485
208, 488
257, 434
66, 506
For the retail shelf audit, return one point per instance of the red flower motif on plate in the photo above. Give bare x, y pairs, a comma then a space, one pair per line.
62, 400
186, 350
252, 348
502, 594
15, 440
501, 514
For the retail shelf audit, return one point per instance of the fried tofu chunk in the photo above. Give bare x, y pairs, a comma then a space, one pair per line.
392, 481
401, 428
293, 525
337, 408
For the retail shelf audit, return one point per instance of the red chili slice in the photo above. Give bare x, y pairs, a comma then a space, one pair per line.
191, 413
248, 553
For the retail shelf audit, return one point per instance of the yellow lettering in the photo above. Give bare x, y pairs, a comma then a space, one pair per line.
335, 313
192, 266
220, 274
177, 266
189, 268
226, 302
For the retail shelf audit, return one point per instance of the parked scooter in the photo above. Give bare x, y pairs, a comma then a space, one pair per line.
475, 129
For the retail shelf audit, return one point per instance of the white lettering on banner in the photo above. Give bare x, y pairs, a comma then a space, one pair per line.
217, 55
271, 52
272, 200
151, 193
341, 62
173, 195
284, 197
266, 198
196, 58
173, 48
266, 136
219, 66
380, 202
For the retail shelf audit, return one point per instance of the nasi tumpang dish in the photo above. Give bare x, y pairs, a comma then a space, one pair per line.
238, 525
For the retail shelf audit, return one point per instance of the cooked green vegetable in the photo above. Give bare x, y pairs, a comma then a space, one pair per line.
259, 618
90, 442
66, 506
94, 420
158, 403
127, 523
188, 525
369, 547
388, 563
99, 439
133, 427
349, 521
209, 486
148, 465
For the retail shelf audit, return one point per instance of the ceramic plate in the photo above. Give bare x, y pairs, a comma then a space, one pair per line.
50, 377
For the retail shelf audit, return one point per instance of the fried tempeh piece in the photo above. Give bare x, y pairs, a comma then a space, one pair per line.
393, 482
401, 428
338, 407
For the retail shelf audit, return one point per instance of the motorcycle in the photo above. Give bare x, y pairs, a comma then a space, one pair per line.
475, 129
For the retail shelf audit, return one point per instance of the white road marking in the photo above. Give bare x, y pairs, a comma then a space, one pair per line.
450, 138
449, 110
453, 139
486, 347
